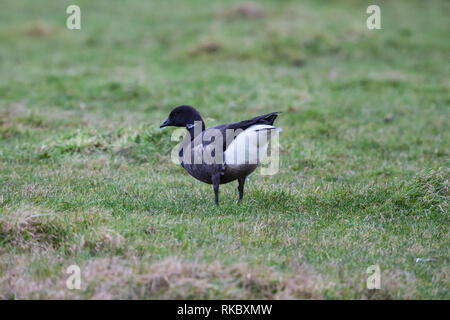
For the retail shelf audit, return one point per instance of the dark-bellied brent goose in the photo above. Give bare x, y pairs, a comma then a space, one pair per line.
223, 153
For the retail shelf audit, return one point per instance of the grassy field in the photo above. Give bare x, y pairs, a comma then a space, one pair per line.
86, 176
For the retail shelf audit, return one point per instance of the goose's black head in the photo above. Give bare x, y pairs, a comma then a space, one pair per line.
183, 116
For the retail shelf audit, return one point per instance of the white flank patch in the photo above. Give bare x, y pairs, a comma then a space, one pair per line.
250, 146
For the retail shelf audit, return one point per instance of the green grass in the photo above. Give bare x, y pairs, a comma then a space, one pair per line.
86, 176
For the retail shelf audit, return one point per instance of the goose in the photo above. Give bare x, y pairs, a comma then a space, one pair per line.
224, 153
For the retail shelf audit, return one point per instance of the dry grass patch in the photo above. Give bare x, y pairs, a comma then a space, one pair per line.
134, 278
26, 228
246, 10
41, 29
209, 47
17, 119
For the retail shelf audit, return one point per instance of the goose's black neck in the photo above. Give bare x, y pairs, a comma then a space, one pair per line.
195, 128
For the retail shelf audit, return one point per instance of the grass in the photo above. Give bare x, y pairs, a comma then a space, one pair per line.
86, 176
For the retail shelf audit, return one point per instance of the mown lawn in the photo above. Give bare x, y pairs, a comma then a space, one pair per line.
86, 176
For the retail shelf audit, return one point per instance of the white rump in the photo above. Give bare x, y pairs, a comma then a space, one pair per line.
250, 146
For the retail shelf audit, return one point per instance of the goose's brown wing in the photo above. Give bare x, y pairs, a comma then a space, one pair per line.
238, 127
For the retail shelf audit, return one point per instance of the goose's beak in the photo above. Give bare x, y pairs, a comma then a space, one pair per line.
165, 123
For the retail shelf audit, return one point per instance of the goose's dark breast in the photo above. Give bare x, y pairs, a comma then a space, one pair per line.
231, 173
204, 172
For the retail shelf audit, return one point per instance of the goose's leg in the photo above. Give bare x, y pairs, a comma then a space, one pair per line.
241, 188
215, 181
